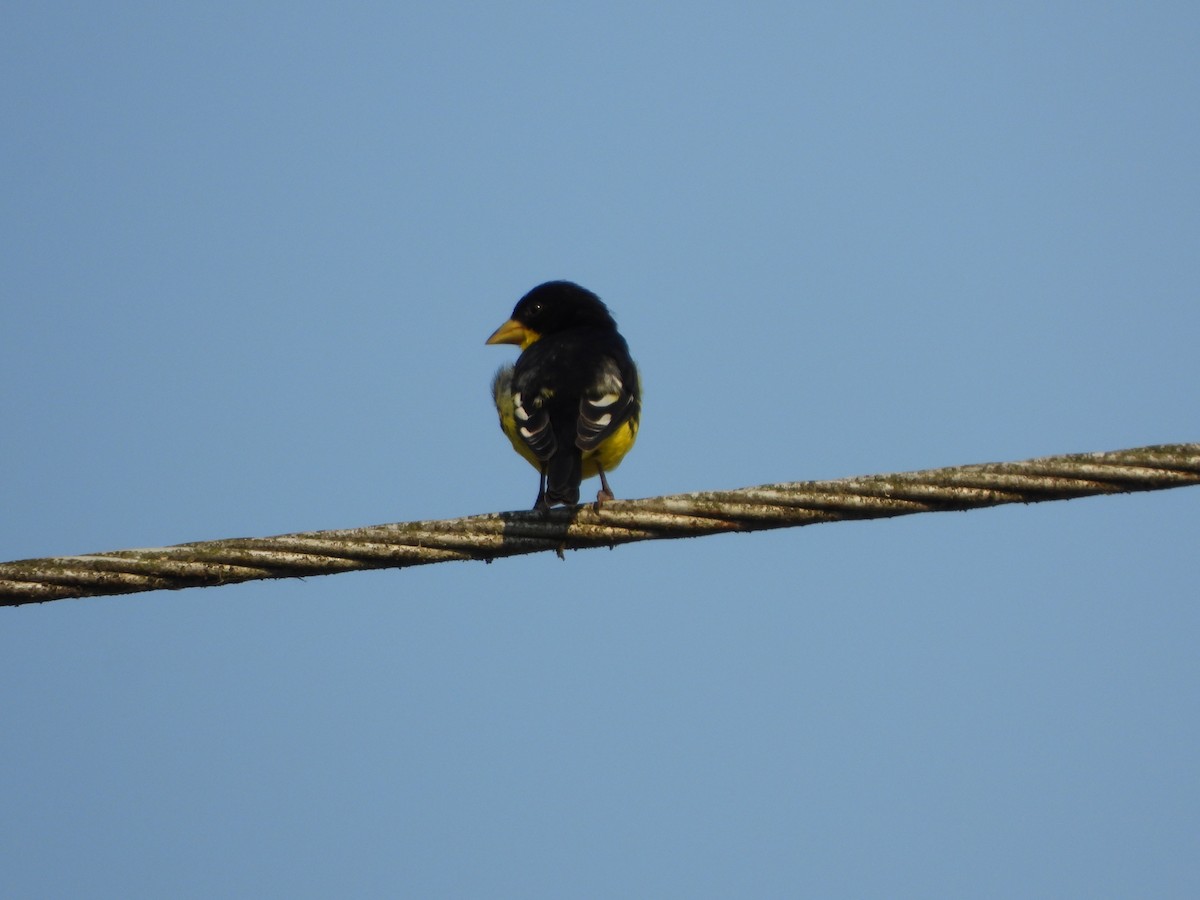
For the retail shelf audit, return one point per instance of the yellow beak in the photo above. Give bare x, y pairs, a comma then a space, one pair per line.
513, 332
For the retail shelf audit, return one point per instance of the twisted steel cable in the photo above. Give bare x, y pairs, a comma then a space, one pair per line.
496, 535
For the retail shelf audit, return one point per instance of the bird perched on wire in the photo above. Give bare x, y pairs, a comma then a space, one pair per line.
571, 404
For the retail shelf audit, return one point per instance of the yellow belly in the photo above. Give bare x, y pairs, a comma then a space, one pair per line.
610, 453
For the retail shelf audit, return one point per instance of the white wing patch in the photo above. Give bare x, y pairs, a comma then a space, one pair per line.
534, 426
604, 407
519, 407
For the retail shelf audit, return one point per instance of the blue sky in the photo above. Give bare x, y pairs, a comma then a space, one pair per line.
251, 254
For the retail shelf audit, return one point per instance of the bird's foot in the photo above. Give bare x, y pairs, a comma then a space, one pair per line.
605, 493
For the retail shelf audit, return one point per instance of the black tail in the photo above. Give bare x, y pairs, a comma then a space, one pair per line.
563, 475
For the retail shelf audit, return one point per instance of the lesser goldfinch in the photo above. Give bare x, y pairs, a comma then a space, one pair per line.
572, 402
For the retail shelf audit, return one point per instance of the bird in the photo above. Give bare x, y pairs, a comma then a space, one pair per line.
571, 405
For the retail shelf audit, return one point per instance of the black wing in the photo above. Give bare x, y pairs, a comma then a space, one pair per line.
526, 400
607, 403
533, 424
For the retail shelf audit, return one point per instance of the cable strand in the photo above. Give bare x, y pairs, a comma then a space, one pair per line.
497, 535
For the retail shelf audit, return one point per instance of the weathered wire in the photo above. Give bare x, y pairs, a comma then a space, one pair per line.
495, 535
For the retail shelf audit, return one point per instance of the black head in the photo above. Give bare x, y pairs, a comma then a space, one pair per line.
559, 305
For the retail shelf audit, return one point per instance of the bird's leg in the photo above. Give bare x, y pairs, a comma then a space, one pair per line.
605, 493
540, 502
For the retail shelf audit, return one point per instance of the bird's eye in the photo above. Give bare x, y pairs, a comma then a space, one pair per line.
535, 308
